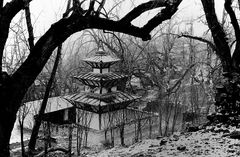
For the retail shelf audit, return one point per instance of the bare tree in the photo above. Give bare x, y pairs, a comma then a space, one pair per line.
14, 87
38, 119
226, 45
22, 113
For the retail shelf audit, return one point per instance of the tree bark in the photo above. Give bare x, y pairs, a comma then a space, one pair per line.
226, 105
10, 102
219, 36
22, 140
29, 26
38, 119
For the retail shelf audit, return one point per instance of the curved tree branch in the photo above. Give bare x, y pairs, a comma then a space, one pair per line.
14, 87
199, 39
165, 14
100, 7
29, 26
91, 8
6, 15
1, 5
58, 33
137, 11
218, 34
234, 21
233, 18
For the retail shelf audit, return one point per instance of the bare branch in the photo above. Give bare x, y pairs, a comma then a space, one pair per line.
218, 34
165, 14
1, 5
100, 7
77, 7
68, 10
13, 7
29, 26
91, 8
55, 35
141, 9
233, 18
199, 39
171, 90
7, 13
239, 4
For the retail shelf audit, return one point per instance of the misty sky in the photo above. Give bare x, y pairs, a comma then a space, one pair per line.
46, 12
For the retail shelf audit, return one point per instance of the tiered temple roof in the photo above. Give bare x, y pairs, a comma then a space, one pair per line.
101, 80
101, 59
101, 94
101, 103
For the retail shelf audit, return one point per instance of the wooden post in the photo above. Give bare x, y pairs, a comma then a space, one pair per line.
135, 127
100, 121
105, 134
78, 131
122, 134
112, 137
78, 149
49, 134
45, 139
70, 140
122, 129
150, 127
139, 127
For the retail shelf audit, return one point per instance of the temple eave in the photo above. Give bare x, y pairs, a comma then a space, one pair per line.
102, 109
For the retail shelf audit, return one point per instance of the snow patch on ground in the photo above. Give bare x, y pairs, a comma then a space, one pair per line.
202, 143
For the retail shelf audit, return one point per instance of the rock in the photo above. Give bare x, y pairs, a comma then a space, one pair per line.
231, 151
197, 146
181, 148
225, 131
175, 137
237, 144
192, 129
159, 149
153, 145
163, 142
159, 137
218, 130
138, 155
235, 135
210, 128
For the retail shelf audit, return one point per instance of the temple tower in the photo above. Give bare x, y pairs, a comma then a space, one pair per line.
101, 98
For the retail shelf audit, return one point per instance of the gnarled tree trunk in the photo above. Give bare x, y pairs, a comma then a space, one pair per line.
14, 87
228, 92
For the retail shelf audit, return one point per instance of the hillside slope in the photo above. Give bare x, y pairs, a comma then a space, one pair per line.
213, 141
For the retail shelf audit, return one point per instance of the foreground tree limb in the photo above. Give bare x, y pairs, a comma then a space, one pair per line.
218, 34
199, 39
29, 26
233, 18
234, 21
38, 119
6, 15
14, 87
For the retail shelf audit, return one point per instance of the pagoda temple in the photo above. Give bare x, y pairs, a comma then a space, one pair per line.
101, 95
102, 110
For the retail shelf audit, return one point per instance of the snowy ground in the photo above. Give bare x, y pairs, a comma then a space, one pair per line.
213, 141
208, 142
